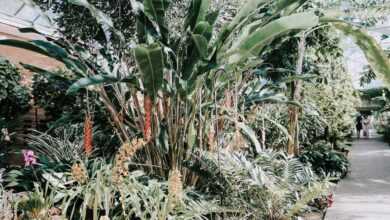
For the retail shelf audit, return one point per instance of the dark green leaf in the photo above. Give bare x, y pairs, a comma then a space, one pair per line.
196, 13
150, 62
97, 80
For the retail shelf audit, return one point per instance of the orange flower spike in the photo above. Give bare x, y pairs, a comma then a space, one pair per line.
148, 104
88, 139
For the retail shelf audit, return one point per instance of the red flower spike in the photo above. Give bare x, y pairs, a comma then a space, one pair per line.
148, 104
88, 139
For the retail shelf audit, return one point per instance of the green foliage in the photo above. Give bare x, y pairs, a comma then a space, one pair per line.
325, 161
65, 110
49, 92
336, 105
331, 96
328, 97
178, 66
34, 206
64, 147
270, 186
367, 76
137, 196
14, 98
210, 119
150, 62
23, 178
79, 24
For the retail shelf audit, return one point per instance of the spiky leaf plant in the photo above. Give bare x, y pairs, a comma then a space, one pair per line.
270, 186
35, 205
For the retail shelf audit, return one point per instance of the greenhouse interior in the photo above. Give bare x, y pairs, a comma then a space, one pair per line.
194, 109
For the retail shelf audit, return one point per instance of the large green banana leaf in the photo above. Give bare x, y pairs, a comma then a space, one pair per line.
150, 62
51, 50
197, 13
287, 7
373, 52
98, 80
247, 10
48, 73
197, 49
251, 44
155, 10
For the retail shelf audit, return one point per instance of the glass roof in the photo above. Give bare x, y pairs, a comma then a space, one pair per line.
356, 60
21, 14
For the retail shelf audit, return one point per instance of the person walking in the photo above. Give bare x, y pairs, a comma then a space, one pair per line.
366, 126
359, 125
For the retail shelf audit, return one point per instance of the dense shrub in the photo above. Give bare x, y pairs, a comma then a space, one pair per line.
65, 112
49, 92
326, 161
14, 98
386, 133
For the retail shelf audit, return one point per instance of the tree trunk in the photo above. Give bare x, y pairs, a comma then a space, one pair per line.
293, 111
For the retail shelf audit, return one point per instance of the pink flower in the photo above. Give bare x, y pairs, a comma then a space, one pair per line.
29, 158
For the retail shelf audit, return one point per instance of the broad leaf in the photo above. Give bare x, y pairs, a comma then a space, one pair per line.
203, 28
196, 13
253, 44
249, 7
263, 97
47, 73
373, 52
24, 45
51, 50
191, 135
155, 11
200, 45
277, 124
197, 49
97, 80
150, 62
247, 13
287, 7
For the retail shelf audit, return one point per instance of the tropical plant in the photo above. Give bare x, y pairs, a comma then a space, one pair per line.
65, 147
326, 161
198, 92
135, 197
35, 205
270, 186
23, 178
182, 77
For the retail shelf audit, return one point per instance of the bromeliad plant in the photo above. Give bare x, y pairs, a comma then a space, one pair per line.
175, 96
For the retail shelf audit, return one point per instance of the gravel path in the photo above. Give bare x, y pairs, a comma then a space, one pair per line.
365, 192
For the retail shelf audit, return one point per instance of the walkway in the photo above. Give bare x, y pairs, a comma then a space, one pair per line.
365, 193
